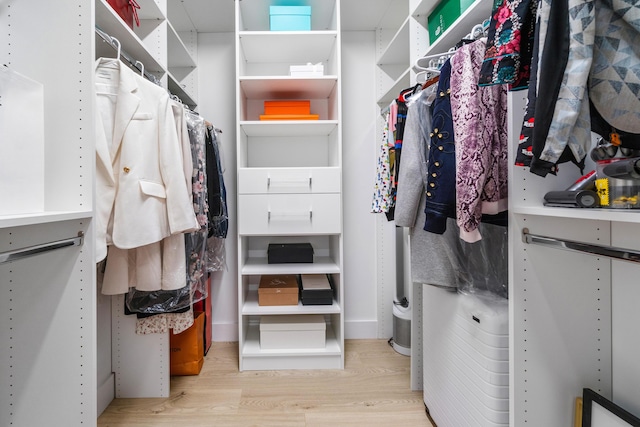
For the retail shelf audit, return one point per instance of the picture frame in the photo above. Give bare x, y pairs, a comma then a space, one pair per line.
598, 411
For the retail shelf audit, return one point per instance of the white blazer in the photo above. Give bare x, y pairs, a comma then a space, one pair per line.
141, 191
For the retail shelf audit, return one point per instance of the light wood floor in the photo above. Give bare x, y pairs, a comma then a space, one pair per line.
372, 390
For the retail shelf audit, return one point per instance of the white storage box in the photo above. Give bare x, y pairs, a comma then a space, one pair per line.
309, 70
292, 331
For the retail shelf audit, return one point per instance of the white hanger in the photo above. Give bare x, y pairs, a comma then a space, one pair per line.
118, 47
141, 67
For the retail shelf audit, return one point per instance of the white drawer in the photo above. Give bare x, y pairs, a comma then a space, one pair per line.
288, 180
289, 214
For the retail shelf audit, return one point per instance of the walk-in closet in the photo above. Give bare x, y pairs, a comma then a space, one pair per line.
319, 212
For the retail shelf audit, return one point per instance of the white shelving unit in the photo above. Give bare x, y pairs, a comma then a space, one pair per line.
571, 324
47, 301
168, 50
289, 174
166, 43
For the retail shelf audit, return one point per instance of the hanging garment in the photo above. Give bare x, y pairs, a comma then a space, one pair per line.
216, 189
480, 133
381, 194
441, 188
603, 54
507, 58
431, 260
524, 152
142, 195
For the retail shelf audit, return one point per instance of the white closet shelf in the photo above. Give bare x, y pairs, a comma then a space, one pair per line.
42, 217
288, 127
110, 22
460, 28
292, 47
397, 52
179, 55
251, 307
600, 214
259, 266
392, 93
252, 348
284, 87
176, 88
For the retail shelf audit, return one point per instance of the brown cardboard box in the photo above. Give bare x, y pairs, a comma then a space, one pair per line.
278, 290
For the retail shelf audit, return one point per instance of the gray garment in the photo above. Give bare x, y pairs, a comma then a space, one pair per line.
430, 259
443, 259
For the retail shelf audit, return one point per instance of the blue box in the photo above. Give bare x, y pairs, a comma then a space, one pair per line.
290, 18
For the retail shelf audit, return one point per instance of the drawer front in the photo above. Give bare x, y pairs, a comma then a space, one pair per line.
289, 214
288, 180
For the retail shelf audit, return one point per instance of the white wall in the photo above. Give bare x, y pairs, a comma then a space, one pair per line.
216, 98
216, 103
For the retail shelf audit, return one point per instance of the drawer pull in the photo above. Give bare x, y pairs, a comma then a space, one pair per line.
307, 181
303, 214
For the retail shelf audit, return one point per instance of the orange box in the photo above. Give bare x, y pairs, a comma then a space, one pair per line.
289, 117
287, 107
278, 290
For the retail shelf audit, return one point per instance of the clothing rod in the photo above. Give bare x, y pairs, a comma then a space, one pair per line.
571, 245
39, 249
124, 55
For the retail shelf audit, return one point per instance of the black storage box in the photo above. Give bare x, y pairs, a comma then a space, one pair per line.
282, 253
316, 289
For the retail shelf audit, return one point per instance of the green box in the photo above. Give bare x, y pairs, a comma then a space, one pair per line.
444, 15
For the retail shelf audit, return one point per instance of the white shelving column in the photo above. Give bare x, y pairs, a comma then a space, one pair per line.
47, 301
571, 324
166, 44
286, 168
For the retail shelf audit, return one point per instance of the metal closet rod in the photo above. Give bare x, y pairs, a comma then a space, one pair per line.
124, 55
571, 245
42, 248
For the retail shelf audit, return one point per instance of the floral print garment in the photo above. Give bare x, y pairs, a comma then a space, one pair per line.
509, 47
381, 192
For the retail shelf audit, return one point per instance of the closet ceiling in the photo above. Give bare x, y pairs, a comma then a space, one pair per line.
215, 16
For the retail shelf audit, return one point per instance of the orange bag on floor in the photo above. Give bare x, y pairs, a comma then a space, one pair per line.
187, 348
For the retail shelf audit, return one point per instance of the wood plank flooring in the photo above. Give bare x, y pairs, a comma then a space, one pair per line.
372, 390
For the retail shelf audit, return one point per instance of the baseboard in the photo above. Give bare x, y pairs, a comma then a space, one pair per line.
225, 332
361, 329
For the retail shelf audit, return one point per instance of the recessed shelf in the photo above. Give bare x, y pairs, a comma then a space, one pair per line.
600, 214
320, 265
251, 307
284, 87
42, 217
289, 128
292, 47
252, 348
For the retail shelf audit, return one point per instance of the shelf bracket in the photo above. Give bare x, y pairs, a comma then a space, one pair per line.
42, 248
574, 246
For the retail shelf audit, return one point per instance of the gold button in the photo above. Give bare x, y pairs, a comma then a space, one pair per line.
428, 194
440, 148
126, 169
437, 164
434, 174
432, 185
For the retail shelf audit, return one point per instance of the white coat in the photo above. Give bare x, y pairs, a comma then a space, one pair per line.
141, 191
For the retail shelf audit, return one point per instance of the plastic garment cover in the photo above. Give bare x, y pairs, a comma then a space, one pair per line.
483, 265
171, 301
218, 214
